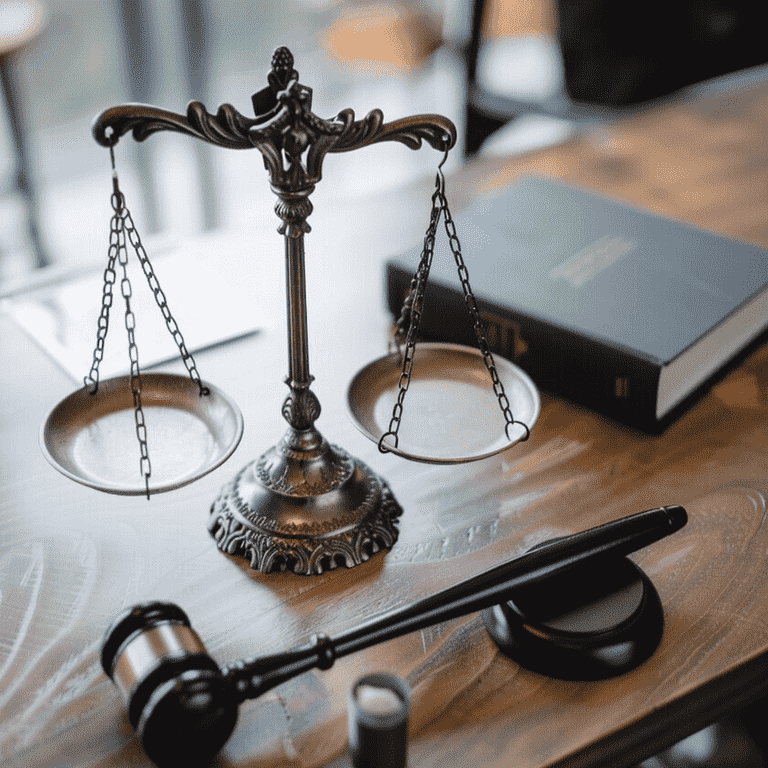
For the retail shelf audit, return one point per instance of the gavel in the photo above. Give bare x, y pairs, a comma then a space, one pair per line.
183, 706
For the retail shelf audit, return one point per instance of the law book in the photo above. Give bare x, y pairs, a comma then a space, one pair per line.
614, 308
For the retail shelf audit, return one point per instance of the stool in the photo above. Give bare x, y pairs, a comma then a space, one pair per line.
21, 21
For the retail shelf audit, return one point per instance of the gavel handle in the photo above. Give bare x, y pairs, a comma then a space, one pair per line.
251, 678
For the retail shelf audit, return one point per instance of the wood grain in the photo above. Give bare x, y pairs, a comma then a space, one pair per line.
70, 557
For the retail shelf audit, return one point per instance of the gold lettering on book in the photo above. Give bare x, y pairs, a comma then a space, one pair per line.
592, 260
504, 336
621, 388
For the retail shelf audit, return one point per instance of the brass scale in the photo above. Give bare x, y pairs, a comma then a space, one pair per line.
305, 505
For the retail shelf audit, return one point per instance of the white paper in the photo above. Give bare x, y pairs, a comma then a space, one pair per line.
210, 289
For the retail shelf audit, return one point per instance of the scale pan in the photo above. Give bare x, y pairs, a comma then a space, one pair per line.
450, 412
92, 438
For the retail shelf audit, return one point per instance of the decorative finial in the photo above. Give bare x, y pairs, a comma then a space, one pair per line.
282, 58
282, 69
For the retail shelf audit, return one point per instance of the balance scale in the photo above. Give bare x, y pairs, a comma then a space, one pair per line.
305, 505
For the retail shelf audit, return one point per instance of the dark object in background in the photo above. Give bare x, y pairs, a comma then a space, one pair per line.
617, 54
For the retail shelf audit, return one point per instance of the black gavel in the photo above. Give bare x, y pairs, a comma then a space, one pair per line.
183, 707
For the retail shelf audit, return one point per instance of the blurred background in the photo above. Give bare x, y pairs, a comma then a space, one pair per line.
514, 75
67, 60
479, 62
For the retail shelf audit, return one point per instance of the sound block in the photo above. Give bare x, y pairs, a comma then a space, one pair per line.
592, 623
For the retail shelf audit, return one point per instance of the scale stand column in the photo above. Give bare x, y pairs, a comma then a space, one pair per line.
304, 505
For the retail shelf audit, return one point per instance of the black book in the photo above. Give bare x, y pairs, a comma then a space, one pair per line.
614, 308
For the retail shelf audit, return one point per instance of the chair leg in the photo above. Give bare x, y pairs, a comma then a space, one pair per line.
478, 127
12, 93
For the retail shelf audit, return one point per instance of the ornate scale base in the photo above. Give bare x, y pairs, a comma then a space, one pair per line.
305, 506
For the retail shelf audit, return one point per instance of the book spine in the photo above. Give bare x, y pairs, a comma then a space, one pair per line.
560, 361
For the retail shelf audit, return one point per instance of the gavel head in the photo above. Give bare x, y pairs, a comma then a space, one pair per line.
180, 706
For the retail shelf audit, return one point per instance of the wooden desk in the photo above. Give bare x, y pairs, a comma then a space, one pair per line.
70, 558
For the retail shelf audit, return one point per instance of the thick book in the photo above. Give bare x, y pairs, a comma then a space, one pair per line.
617, 309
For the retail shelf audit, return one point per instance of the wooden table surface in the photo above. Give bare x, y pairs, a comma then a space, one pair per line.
71, 557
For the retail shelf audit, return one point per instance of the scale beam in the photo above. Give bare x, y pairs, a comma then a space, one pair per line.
305, 505
283, 121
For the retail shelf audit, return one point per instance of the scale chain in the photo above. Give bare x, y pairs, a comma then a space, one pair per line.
162, 303
470, 301
91, 381
118, 203
412, 311
133, 352
411, 315
119, 253
122, 228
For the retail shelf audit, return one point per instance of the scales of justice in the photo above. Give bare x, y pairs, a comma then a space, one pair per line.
305, 505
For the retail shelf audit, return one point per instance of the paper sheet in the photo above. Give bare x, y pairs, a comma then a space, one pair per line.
211, 291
